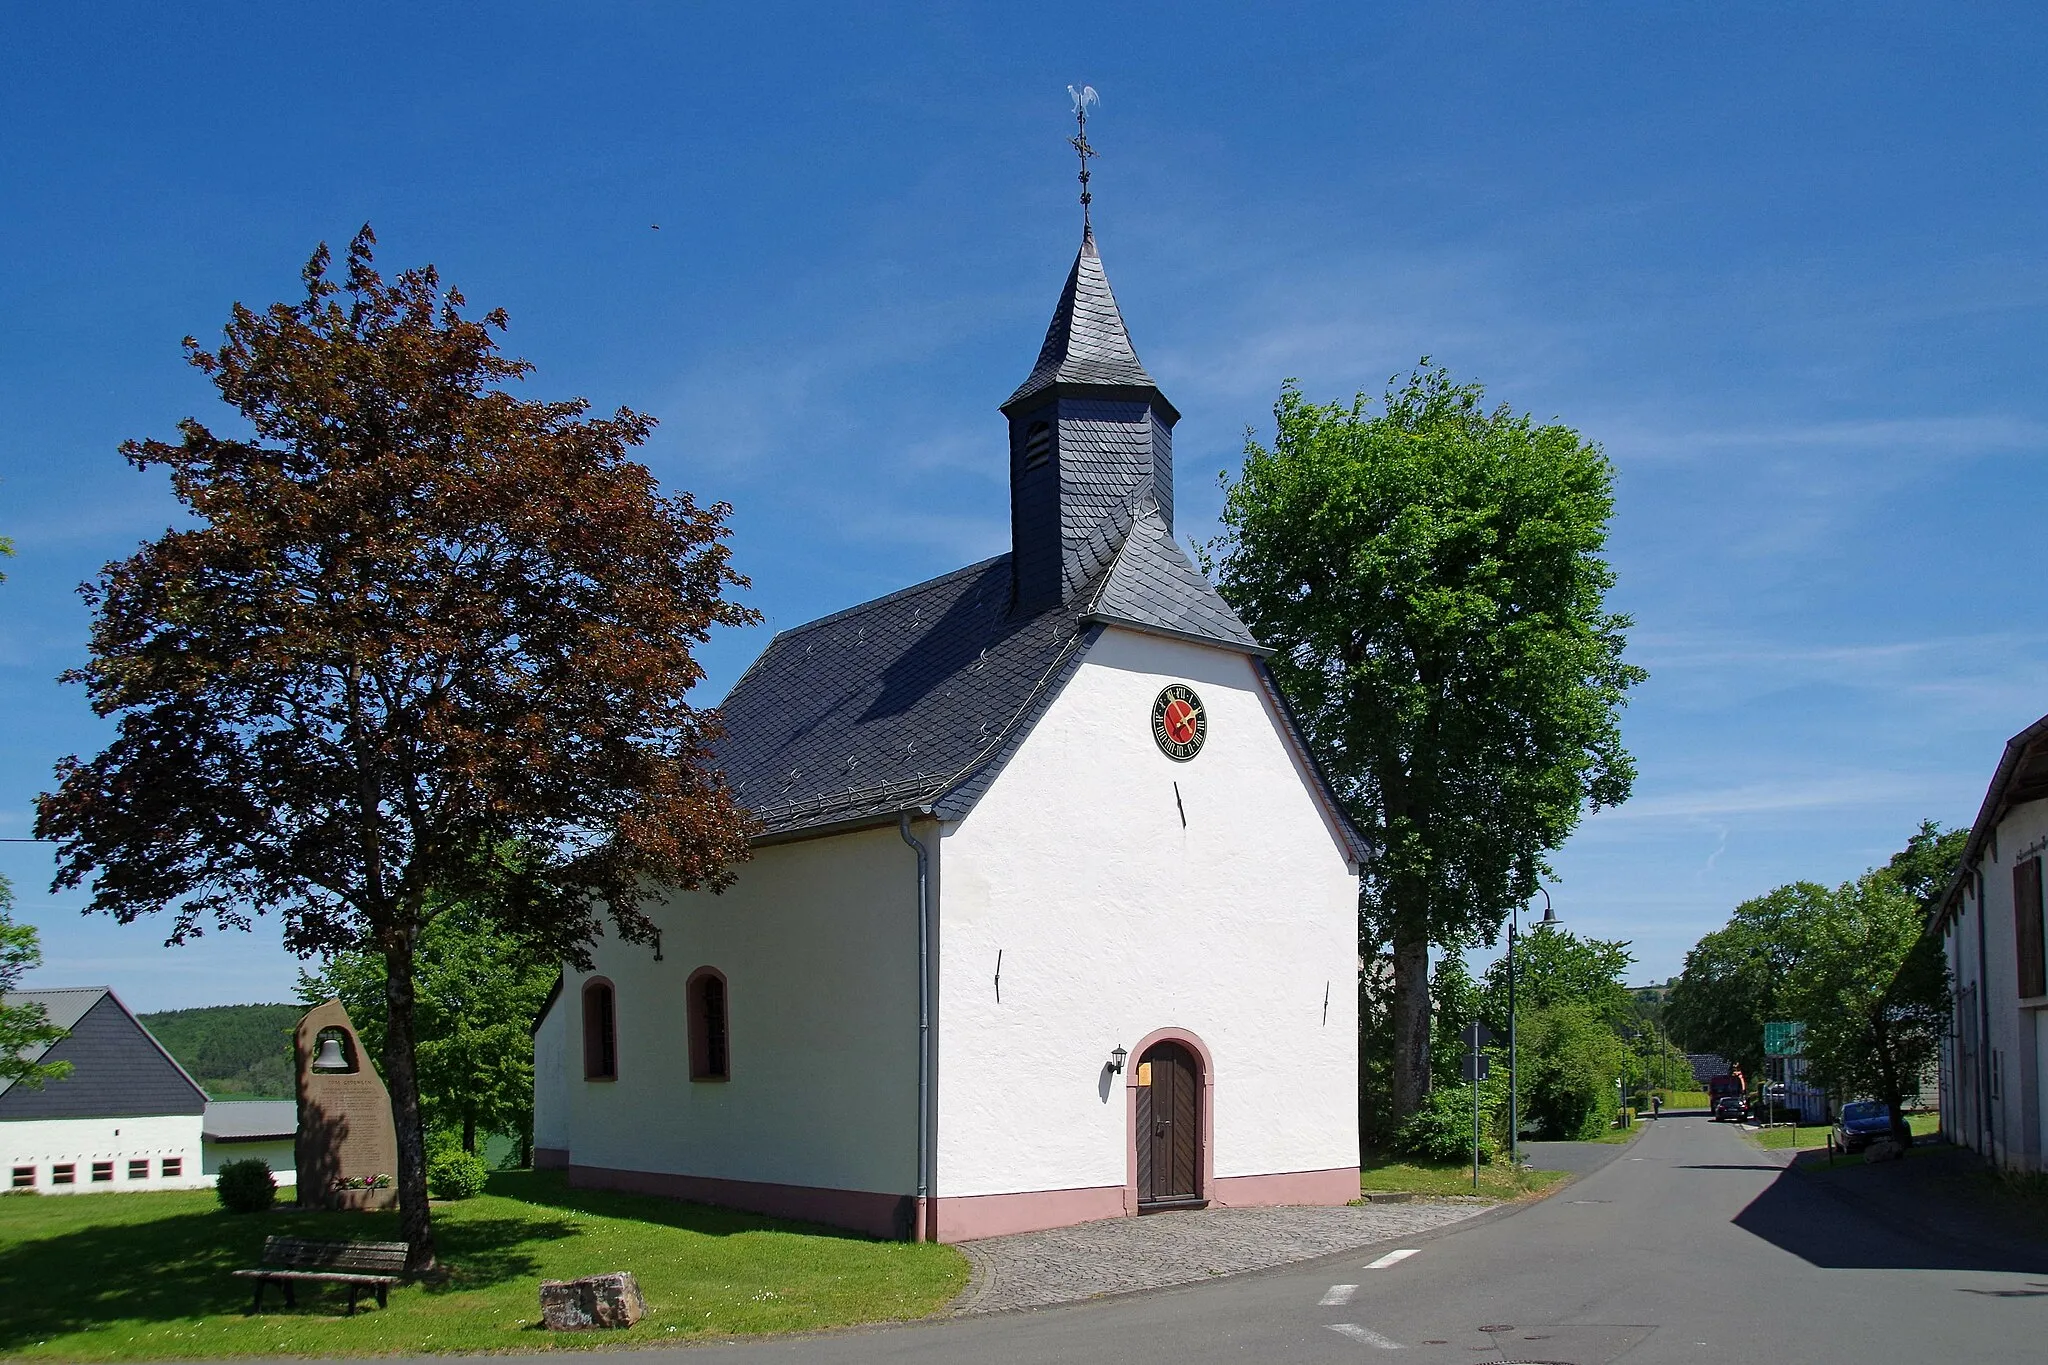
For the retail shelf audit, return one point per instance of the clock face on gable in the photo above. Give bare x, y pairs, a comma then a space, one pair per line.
1179, 724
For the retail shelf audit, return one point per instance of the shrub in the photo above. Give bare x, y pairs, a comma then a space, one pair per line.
1441, 1130
457, 1175
246, 1186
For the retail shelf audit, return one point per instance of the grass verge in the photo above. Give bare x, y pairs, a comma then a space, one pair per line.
1391, 1175
146, 1276
1806, 1136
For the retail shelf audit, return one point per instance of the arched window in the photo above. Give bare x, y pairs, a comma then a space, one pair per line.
600, 1032
710, 1049
1037, 444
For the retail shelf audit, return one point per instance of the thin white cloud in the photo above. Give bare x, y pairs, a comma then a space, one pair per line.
1844, 792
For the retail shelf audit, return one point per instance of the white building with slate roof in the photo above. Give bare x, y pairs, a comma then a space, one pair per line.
1052, 918
1994, 927
127, 1117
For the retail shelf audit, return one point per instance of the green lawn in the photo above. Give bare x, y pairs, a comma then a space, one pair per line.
1816, 1135
1684, 1099
146, 1276
1391, 1174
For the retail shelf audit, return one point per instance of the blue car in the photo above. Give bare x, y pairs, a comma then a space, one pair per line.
1862, 1123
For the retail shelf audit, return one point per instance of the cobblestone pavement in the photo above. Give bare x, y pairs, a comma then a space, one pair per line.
1116, 1255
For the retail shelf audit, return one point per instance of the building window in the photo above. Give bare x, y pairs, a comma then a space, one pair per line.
101, 1171
139, 1169
710, 1049
600, 1031
65, 1174
1037, 445
2026, 928
173, 1166
24, 1177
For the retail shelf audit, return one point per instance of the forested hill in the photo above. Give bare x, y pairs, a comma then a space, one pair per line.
234, 1051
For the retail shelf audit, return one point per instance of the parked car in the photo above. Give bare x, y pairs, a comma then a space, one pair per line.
1731, 1109
1862, 1123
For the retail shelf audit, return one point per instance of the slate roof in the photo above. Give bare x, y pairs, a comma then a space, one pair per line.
884, 706
118, 1068
2021, 776
915, 701
250, 1120
1086, 342
1152, 585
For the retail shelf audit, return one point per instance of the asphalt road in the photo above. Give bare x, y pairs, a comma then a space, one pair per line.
1689, 1245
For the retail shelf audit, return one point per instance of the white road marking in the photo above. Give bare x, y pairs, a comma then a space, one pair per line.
1392, 1258
1364, 1334
1339, 1293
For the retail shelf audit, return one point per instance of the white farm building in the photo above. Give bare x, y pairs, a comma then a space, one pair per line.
127, 1117
1052, 917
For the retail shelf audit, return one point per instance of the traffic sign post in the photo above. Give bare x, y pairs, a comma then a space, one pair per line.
1477, 1037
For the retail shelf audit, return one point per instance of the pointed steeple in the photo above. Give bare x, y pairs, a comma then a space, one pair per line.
1086, 342
1091, 437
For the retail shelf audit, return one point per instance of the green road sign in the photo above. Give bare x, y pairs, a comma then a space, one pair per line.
1784, 1038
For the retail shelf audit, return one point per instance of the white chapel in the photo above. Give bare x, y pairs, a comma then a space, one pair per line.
1051, 917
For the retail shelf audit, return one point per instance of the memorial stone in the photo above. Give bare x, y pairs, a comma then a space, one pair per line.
347, 1144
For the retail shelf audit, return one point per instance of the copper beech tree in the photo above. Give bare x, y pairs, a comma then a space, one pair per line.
415, 621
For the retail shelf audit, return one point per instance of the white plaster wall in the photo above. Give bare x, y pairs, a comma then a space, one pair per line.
280, 1154
1113, 920
2019, 1125
818, 942
551, 1072
44, 1143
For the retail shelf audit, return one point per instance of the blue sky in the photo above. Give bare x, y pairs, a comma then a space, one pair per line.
1784, 263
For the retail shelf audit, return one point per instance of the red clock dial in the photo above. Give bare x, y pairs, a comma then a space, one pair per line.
1179, 724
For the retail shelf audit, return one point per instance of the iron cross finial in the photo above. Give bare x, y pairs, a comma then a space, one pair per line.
1083, 96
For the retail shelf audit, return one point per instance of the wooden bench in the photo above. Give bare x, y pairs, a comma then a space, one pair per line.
359, 1265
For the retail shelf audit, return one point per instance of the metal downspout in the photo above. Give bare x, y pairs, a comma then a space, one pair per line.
921, 1231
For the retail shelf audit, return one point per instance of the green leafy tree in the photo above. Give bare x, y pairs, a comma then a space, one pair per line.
1431, 577
414, 617
1739, 977
477, 990
1872, 989
25, 1029
1928, 862
1554, 967
1571, 1060
1455, 997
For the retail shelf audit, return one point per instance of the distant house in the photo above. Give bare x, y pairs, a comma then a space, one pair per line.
1992, 929
236, 1130
127, 1117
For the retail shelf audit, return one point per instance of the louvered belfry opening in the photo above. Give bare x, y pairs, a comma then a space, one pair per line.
1091, 438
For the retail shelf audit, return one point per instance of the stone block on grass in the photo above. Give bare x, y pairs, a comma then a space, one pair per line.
594, 1301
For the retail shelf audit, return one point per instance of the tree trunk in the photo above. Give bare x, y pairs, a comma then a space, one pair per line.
1894, 1091
402, 1077
1410, 1009
469, 1133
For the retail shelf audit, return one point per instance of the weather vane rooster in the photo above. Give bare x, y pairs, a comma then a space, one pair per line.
1083, 96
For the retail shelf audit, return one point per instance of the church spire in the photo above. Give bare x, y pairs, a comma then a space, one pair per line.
1091, 435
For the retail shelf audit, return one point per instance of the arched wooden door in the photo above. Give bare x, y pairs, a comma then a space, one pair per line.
1169, 1127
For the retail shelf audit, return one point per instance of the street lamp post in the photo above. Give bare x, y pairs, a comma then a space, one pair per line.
1549, 921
